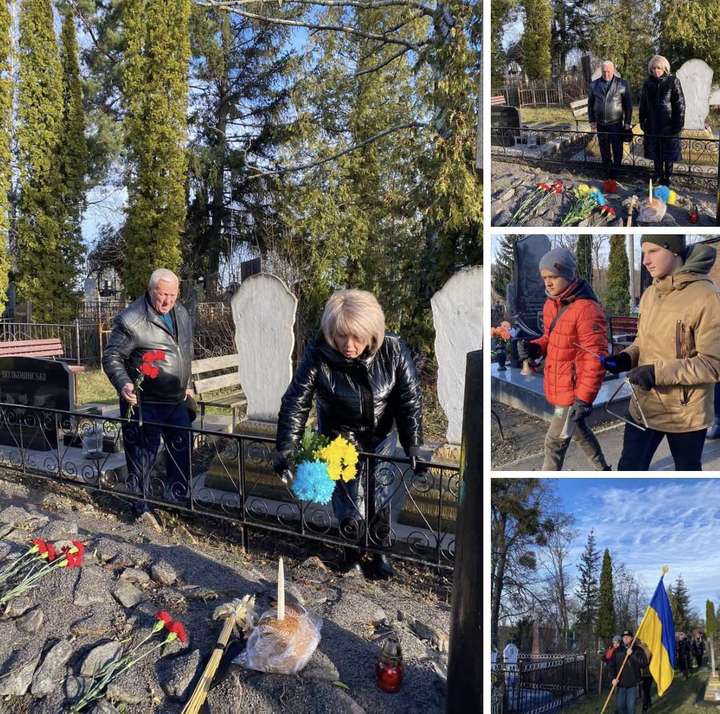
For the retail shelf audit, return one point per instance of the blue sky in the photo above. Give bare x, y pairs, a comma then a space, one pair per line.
648, 523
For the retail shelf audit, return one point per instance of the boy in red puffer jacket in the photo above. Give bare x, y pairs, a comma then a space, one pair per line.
575, 336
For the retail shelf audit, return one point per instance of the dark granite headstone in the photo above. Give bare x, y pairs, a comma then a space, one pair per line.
529, 289
28, 381
504, 126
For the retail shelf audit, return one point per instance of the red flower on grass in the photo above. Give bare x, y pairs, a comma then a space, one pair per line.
177, 628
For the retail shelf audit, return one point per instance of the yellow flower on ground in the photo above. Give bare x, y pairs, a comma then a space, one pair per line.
341, 458
582, 189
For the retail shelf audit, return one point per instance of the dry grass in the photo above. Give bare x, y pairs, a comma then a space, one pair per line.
94, 386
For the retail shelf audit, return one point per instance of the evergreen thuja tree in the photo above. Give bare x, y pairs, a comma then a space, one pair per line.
5, 147
46, 277
154, 89
617, 295
689, 29
583, 253
536, 38
72, 151
587, 591
606, 608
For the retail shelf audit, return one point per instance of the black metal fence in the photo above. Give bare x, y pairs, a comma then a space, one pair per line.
573, 148
541, 94
229, 477
538, 683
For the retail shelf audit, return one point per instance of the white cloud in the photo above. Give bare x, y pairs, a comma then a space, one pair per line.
662, 523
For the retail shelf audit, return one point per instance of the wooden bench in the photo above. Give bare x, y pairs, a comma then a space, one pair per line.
51, 347
219, 390
623, 330
579, 109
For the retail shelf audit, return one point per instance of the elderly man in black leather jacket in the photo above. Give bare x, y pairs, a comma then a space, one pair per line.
152, 337
610, 115
363, 380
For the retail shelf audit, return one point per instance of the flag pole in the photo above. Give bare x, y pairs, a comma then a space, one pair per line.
622, 666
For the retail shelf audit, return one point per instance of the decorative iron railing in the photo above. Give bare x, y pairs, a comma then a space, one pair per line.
537, 684
229, 477
574, 148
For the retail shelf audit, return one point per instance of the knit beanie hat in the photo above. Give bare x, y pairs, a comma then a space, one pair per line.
675, 244
561, 262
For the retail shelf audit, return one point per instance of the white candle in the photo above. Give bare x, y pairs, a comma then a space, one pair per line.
281, 591
651, 189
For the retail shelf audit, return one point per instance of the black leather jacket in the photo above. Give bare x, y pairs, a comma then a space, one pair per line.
137, 329
615, 107
358, 398
630, 676
662, 106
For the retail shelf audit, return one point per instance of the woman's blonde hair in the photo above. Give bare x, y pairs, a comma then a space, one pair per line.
354, 312
660, 60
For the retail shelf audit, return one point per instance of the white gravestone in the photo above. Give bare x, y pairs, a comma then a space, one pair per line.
457, 318
696, 79
264, 314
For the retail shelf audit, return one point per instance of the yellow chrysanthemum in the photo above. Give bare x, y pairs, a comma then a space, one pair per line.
583, 189
341, 458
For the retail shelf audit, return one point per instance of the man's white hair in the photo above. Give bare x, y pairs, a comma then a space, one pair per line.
610, 62
162, 274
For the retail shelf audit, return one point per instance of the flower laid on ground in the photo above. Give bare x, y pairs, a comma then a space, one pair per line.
130, 657
48, 560
610, 186
40, 550
608, 211
148, 369
587, 199
693, 215
320, 464
535, 201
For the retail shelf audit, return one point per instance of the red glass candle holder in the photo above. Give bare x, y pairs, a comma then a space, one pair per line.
389, 667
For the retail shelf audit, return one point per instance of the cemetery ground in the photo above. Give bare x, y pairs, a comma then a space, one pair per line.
683, 697
188, 568
520, 448
513, 178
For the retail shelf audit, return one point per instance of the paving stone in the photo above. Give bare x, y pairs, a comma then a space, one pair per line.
51, 672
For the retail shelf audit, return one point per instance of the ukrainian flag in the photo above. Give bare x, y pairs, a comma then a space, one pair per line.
657, 631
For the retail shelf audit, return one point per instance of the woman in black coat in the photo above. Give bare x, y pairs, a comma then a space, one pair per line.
363, 380
662, 117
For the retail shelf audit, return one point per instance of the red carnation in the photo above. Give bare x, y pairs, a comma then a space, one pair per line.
154, 356
41, 546
149, 370
165, 616
74, 560
178, 629
52, 553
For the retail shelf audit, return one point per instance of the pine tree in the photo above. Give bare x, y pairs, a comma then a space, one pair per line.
680, 604
155, 88
617, 295
503, 267
587, 591
536, 38
46, 276
72, 152
583, 253
5, 147
689, 29
606, 610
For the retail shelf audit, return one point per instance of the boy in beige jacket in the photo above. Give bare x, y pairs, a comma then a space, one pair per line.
675, 358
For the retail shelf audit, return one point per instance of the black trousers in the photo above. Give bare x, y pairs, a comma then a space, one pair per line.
662, 170
639, 447
611, 147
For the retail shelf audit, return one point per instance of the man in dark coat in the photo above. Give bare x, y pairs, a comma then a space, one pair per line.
610, 115
628, 679
684, 653
698, 649
662, 117
148, 359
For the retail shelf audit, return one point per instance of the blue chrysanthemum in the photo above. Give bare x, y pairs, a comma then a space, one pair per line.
599, 197
662, 192
313, 483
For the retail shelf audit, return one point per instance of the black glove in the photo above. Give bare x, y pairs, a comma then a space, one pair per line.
643, 376
528, 350
281, 466
621, 362
580, 410
413, 453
